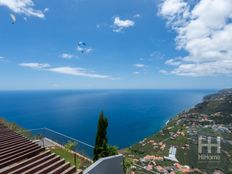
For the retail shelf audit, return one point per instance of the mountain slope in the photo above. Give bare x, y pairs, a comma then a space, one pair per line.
210, 118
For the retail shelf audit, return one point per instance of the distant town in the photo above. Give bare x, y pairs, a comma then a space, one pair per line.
175, 148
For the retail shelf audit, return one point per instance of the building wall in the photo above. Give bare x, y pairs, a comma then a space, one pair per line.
107, 165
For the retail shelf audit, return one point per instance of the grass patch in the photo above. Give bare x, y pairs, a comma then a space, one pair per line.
69, 157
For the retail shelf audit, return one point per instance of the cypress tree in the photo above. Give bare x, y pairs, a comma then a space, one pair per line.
101, 143
102, 148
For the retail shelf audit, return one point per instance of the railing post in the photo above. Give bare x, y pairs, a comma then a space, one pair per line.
75, 159
43, 141
81, 163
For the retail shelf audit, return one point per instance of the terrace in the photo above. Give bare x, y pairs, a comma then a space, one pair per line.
46, 151
80, 154
19, 154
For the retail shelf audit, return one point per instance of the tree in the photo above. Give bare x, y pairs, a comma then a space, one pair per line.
70, 145
112, 150
102, 149
127, 164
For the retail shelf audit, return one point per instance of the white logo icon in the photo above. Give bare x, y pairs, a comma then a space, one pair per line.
209, 144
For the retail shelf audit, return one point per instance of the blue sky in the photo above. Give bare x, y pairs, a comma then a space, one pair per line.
83, 44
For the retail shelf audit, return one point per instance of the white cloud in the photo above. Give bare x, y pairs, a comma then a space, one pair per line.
88, 50
164, 71
84, 49
174, 62
137, 16
35, 65
67, 56
119, 24
204, 69
78, 72
139, 65
205, 32
25, 7
102, 25
2, 58
169, 8
136, 72
46, 10
75, 71
157, 55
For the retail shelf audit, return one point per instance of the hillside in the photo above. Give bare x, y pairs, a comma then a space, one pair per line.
211, 118
219, 103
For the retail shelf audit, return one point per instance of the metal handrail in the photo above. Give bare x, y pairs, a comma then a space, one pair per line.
70, 137
28, 130
81, 148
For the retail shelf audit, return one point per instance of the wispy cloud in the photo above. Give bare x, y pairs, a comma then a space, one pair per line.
35, 65
157, 55
67, 56
136, 72
139, 65
2, 59
120, 24
84, 49
174, 62
102, 25
46, 10
25, 7
75, 71
140, 68
164, 72
137, 16
204, 32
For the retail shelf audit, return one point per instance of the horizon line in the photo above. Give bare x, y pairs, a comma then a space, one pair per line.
87, 89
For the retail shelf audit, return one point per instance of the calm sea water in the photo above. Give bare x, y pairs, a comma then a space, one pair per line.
132, 114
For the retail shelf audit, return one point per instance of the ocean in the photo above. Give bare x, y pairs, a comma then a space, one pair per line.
132, 114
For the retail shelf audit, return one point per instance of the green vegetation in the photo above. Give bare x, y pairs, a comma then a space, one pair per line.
13, 126
112, 150
219, 102
70, 145
102, 148
127, 164
70, 157
211, 118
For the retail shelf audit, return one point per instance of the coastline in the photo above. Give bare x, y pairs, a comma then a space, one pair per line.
166, 123
210, 117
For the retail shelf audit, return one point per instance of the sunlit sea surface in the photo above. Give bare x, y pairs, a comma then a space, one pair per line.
132, 114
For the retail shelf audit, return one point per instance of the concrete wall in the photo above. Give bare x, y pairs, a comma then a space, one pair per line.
108, 165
